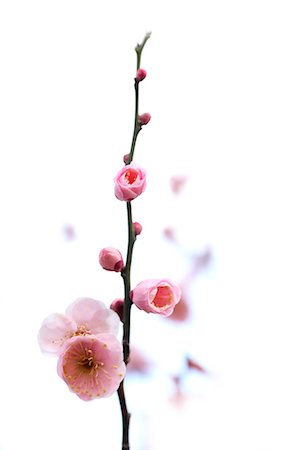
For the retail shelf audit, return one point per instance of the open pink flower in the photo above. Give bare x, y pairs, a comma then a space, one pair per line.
130, 182
156, 296
83, 317
92, 366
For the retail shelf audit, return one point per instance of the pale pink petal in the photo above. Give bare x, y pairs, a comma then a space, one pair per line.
55, 330
93, 316
92, 366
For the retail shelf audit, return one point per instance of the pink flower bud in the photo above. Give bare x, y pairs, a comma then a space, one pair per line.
111, 259
130, 182
144, 119
137, 228
126, 158
156, 296
118, 306
141, 74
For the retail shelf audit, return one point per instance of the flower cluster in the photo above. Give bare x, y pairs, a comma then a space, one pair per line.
90, 357
91, 360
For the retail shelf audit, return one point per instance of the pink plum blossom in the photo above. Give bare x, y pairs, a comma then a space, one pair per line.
156, 296
83, 317
111, 259
92, 366
130, 182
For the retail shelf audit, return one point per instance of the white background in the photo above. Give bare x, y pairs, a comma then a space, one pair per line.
222, 89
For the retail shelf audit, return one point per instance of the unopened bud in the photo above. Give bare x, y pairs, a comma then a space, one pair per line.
118, 306
126, 158
141, 74
144, 118
137, 228
111, 259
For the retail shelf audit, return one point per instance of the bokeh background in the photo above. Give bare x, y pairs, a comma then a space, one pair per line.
222, 89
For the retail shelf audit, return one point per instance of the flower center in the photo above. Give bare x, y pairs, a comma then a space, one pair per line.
131, 175
163, 297
82, 330
88, 361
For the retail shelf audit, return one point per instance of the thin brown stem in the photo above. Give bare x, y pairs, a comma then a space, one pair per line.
125, 417
126, 272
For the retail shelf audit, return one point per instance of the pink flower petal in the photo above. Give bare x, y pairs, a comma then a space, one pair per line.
55, 330
93, 317
92, 366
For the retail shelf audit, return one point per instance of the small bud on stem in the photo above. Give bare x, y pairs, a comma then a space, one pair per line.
144, 118
137, 228
141, 74
111, 259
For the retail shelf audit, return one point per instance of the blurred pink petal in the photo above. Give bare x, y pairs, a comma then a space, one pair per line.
199, 262
177, 183
192, 364
202, 260
92, 366
169, 233
181, 311
69, 232
138, 362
